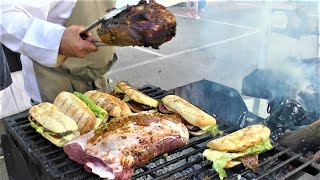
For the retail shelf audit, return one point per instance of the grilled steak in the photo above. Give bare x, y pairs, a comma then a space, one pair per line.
113, 151
145, 24
250, 161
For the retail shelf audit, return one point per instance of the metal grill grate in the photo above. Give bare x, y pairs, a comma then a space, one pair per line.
184, 163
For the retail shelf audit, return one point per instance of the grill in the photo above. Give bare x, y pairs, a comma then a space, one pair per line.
28, 154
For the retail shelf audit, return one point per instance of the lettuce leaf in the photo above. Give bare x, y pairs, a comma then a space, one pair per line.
98, 111
212, 129
220, 158
259, 148
39, 129
117, 89
126, 98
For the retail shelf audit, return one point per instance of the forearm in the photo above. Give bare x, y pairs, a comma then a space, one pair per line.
30, 36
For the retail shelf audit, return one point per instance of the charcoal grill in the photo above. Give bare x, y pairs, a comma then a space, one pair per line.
29, 156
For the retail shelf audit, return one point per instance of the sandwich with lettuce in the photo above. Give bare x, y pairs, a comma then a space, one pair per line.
52, 124
197, 121
136, 100
82, 110
242, 146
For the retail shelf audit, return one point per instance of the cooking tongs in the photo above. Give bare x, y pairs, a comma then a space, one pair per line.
107, 16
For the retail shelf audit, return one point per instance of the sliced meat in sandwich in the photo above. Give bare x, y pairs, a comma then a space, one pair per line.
113, 105
193, 115
82, 110
136, 100
242, 146
52, 124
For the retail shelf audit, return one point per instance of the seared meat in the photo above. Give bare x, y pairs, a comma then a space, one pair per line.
115, 149
145, 24
250, 161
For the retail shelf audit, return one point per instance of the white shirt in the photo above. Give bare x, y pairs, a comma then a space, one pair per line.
34, 28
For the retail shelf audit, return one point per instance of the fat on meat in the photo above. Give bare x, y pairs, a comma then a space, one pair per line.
113, 150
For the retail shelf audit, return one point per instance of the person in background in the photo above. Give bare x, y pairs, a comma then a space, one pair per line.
54, 57
202, 5
195, 9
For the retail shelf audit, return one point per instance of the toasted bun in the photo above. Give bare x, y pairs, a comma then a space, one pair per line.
75, 108
189, 112
60, 142
241, 139
137, 95
113, 105
231, 164
51, 118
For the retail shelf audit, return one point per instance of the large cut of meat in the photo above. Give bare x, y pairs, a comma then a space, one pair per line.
145, 24
115, 149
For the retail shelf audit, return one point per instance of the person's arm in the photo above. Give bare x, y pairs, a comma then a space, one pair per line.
5, 77
23, 30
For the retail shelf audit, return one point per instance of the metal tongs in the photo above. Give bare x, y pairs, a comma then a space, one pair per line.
107, 16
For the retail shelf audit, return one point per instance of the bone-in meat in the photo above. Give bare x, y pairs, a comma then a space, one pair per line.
113, 150
145, 24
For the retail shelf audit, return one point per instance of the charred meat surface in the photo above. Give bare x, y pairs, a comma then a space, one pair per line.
250, 161
113, 151
145, 24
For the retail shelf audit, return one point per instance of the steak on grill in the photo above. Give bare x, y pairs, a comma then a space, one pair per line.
115, 149
145, 24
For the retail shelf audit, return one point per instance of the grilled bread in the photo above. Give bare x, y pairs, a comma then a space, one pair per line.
231, 164
241, 140
51, 118
189, 112
55, 126
76, 109
113, 105
136, 95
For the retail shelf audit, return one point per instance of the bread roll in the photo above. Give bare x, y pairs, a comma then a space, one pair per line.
76, 109
189, 112
231, 164
136, 95
60, 142
51, 118
113, 105
242, 139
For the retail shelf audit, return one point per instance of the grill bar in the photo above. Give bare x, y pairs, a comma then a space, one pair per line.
204, 168
173, 161
51, 152
57, 165
297, 170
180, 168
279, 166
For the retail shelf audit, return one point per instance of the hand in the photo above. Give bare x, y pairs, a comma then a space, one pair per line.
72, 45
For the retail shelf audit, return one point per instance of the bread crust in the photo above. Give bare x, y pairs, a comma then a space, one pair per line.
136, 95
189, 112
51, 118
76, 109
60, 142
113, 105
242, 139
231, 164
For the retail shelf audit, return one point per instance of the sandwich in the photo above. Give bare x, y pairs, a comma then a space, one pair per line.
82, 110
136, 100
198, 122
242, 146
52, 124
113, 105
